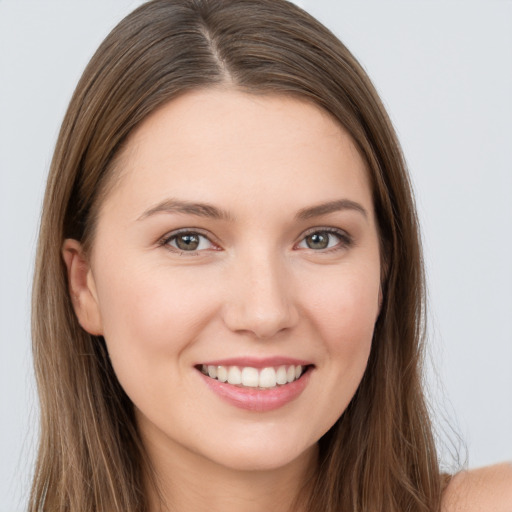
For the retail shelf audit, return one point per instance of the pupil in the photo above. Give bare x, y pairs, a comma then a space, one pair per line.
317, 241
187, 242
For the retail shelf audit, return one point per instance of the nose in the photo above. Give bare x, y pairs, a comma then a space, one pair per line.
261, 299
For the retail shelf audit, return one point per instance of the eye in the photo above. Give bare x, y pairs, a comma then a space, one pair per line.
188, 241
325, 239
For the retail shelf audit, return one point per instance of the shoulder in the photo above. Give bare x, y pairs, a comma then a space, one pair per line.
486, 489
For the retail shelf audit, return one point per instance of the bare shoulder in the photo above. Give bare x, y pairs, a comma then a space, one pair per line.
486, 489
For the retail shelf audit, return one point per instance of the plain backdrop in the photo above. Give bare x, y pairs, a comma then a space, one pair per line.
444, 71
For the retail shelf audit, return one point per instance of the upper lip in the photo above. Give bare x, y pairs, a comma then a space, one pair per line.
257, 362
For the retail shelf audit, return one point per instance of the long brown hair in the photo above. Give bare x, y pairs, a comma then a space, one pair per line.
380, 455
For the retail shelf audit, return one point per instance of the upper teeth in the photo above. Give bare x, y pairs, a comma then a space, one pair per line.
253, 377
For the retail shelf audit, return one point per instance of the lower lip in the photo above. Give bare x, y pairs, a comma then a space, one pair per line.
255, 399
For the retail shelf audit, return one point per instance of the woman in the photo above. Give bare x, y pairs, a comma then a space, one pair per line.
234, 312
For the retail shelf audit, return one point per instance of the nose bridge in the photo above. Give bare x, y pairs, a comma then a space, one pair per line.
261, 301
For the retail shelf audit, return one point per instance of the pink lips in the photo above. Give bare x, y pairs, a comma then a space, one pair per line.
256, 399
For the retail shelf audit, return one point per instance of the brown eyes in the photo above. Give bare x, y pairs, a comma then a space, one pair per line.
319, 240
189, 242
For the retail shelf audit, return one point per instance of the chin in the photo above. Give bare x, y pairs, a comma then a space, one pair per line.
265, 455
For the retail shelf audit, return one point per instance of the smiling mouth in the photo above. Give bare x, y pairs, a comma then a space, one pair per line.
255, 378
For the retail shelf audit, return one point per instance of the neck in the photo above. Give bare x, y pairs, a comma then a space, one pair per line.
187, 482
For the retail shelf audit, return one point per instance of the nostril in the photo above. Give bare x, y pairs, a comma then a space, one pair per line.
260, 301
259, 323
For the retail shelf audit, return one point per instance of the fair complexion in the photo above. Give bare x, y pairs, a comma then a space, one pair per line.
240, 232
487, 489
255, 286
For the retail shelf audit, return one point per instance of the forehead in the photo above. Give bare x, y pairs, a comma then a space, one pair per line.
207, 144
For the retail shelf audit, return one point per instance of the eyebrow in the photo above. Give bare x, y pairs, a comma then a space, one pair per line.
177, 206
331, 207
210, 211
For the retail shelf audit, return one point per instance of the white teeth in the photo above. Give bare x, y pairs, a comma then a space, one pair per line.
281, 375
266, 378
234, 375
222, 373
250, 377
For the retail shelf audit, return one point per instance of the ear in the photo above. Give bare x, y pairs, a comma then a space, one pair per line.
82, 287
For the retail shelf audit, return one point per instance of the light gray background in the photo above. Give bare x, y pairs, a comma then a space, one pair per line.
444, 70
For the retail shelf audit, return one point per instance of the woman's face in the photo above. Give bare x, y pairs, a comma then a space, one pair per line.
240, 241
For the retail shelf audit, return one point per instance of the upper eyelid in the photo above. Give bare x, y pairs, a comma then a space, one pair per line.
180, 231
328, 229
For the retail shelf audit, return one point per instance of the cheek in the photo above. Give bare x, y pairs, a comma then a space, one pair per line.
152, 316
345, 309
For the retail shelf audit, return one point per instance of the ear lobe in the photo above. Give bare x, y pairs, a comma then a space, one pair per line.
82, 287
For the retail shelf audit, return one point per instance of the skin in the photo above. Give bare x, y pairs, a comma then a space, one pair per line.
252, 288
255, 289
487, 489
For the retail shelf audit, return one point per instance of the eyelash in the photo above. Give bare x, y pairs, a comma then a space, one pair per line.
167, 239
345, 240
